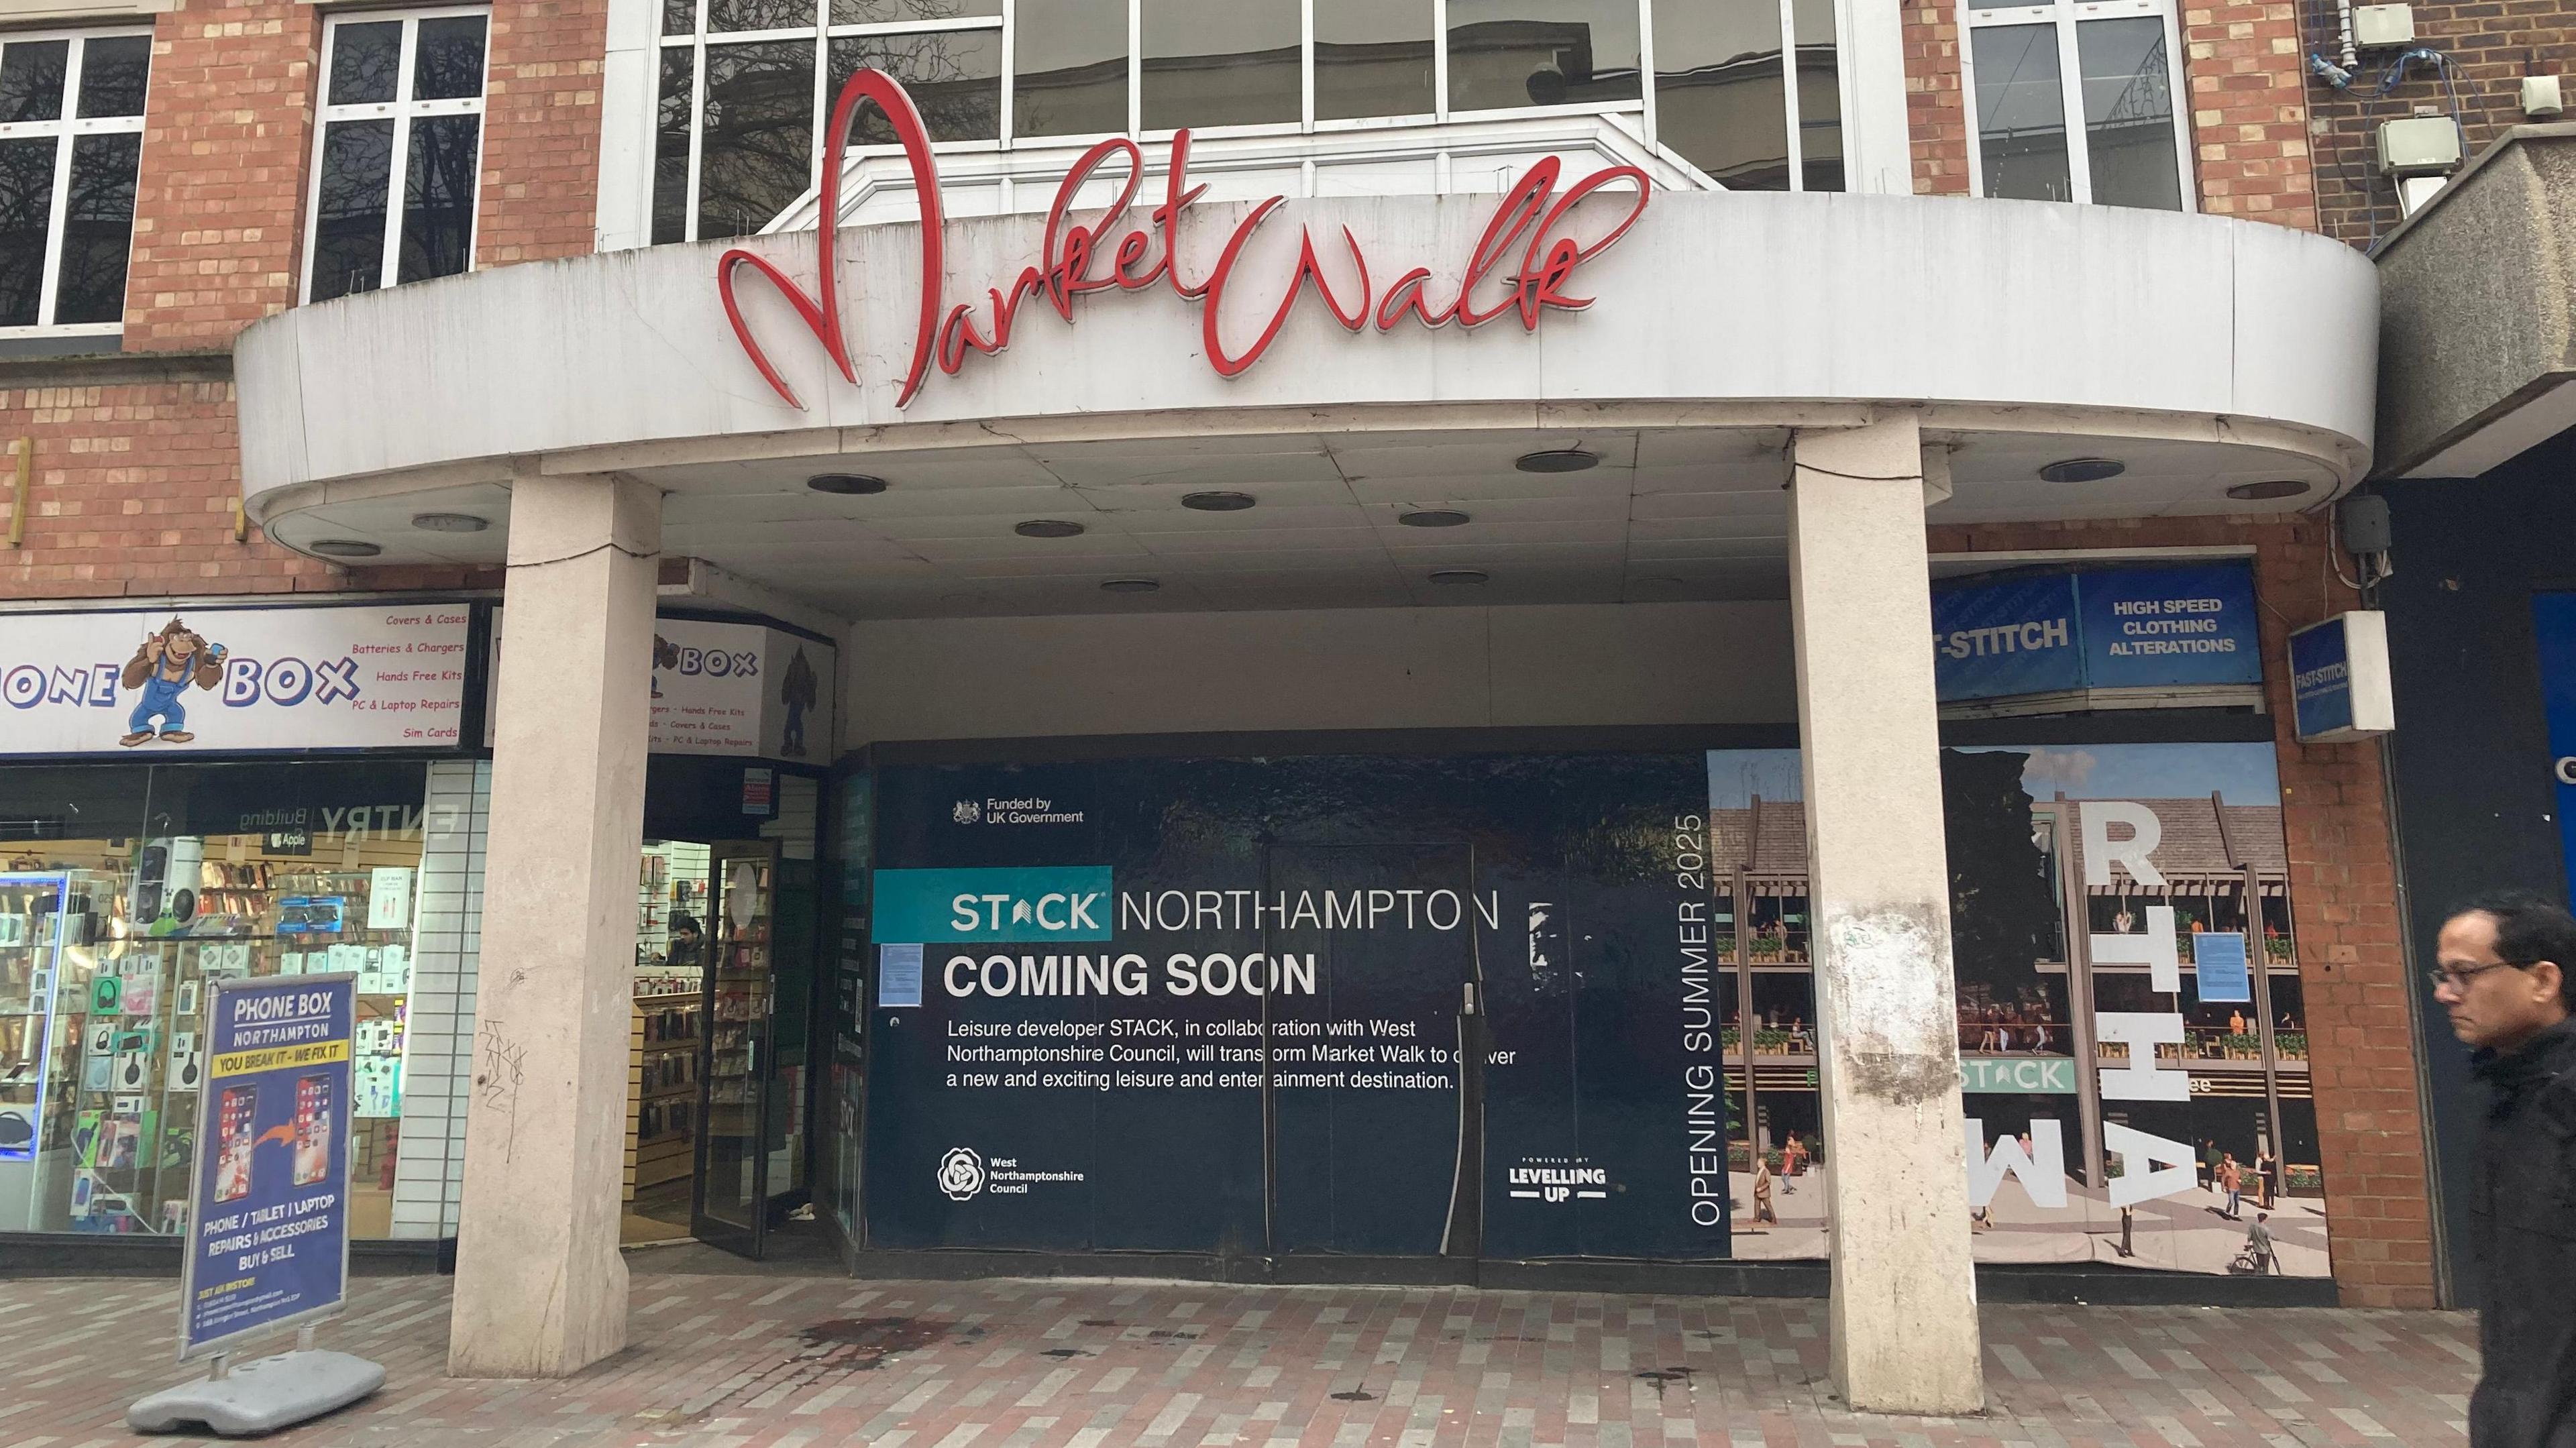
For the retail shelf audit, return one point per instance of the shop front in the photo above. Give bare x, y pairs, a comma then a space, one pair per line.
1274, 780
207, 793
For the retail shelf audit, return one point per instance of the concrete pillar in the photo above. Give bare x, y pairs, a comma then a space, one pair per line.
540, 1289
1904, 1310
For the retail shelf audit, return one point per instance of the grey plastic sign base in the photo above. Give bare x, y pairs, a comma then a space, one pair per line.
261, 1396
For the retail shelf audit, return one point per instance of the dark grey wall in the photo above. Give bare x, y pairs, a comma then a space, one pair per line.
2475, 801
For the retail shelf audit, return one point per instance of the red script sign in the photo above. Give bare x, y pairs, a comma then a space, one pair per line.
1525, 232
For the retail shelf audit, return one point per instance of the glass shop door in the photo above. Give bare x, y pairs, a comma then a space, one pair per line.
731, 1206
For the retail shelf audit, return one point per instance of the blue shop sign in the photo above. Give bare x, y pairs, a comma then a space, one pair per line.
2118, 628
1995, 640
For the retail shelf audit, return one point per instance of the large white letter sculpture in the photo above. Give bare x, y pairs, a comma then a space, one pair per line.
2150, 1166
2042, 1169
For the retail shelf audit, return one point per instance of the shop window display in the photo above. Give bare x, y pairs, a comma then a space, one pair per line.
123, 892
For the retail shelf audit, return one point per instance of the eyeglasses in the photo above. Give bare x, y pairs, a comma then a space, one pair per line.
2461, 978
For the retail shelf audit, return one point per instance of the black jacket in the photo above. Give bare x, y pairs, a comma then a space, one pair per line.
2524, 1211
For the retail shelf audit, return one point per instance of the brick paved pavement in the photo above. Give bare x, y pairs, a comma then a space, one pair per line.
777, 1362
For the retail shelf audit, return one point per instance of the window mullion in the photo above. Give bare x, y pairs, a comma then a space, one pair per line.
2177, 84
397, 172
1306, 65
822, 93
50, 284
1010, 81
697, 114
2070, 84
1135, 67
1440, 62
1797, 147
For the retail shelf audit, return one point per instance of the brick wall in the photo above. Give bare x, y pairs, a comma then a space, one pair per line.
2343, 898
1935, 112
2249, 114
2492, 45
541, 119
132, 493
227, 138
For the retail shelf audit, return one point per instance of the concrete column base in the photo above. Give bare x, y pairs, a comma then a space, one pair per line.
1904, 1310
540, 1288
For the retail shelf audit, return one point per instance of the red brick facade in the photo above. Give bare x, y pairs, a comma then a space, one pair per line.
2343, 898
539, 196
2249, 111
2492, 45
1936, 113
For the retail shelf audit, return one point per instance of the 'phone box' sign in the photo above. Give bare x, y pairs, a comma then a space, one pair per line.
268, 1239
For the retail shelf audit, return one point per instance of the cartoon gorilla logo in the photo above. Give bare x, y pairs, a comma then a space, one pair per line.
163, 667
799, 690
666, 655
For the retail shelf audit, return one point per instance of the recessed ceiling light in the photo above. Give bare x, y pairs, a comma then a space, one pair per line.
1460, 576
1048, 528
1217, 502
2269, 488
1131, 585
2082, 470
1558, 460
1432, 518
848, 483
346, 548
449, 522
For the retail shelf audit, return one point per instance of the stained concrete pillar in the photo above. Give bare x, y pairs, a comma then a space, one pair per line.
1904, 1308
540, 1288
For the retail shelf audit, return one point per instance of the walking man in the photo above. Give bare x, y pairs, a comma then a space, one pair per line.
2258, 1246
2507, 975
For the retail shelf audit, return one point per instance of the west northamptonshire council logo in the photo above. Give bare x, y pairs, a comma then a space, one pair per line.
966, 812
961, 1173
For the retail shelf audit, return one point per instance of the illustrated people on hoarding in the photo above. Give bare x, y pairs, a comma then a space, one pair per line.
2261, 1256
163, 667
2267, 1176
798, 691
2503, 973
2231, 1180
2208, 1164
1762, 1209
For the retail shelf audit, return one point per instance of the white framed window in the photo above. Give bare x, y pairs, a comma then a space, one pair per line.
71, 143
745, 85
398, 150
2116, 64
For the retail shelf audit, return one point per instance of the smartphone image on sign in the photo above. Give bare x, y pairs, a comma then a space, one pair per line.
236, 1112
312, 1129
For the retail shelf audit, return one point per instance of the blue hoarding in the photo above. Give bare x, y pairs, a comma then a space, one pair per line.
2553, 617
268, 1245
2119, 628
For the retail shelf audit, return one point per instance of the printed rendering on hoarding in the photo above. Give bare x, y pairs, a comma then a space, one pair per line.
2132, 1038
1474, 995
1522, 264
1561, 1006
233, 680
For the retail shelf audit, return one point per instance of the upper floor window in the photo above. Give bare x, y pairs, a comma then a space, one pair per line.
398, 150
744, 83
71, 142
2112, 62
